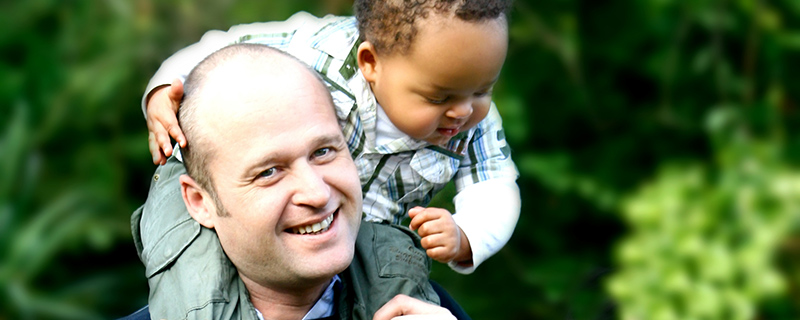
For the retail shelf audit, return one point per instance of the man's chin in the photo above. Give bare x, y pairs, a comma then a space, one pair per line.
329, 265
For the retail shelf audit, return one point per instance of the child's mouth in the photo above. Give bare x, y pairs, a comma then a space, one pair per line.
447, 132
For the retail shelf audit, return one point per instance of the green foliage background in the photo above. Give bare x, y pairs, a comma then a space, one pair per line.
657, 142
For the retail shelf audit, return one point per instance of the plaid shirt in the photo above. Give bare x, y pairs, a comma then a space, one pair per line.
397, 175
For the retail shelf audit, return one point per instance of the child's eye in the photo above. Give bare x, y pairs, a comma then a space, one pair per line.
483, 94
438, 101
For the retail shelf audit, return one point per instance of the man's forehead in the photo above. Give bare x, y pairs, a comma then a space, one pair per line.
255, 120
255, 96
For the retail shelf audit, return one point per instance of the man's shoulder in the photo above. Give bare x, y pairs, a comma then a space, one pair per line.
391, 251
393, 244
389, 260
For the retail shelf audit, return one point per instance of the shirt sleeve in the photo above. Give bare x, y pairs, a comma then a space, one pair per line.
276, 34
488, 224
488, 155
488, 199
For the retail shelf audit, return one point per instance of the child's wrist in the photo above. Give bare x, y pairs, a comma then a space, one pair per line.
464, 256
464, 264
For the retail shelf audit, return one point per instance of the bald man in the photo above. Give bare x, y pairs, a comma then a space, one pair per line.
272, 190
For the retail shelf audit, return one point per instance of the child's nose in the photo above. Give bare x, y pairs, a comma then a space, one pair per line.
460, 110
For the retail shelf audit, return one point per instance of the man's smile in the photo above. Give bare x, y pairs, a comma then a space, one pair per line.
314, 228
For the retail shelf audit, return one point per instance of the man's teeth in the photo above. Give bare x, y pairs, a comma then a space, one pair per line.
314, 228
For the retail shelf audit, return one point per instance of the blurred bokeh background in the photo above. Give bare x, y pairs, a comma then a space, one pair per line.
657, 142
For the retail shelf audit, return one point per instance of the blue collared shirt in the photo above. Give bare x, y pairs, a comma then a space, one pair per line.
325, 305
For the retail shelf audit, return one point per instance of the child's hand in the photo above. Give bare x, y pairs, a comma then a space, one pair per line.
162, 122
441, 237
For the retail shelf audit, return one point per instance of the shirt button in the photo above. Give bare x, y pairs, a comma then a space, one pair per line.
155, 177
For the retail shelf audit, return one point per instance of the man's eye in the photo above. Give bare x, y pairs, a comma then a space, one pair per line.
321, 152
267, 173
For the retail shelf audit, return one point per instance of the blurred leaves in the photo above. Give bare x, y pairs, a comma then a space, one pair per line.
656, 141
704, 238
64, 199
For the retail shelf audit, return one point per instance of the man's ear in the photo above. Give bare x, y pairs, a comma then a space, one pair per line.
197, 201
367, 61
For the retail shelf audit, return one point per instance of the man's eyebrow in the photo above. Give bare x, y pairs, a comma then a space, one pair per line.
262, 162
332, 138
318, 141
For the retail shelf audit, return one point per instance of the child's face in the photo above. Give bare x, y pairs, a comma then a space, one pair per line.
443, 85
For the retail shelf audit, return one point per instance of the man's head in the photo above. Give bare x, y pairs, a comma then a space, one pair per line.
272, 172
432, 63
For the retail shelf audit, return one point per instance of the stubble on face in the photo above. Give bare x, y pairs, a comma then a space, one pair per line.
278, 123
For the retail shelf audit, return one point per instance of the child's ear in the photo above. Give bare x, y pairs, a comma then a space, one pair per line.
367, 61
198, 202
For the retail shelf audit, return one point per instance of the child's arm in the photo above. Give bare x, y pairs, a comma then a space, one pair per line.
162, 122
161, 100
487, 213
445, 237
488, 200
163, 93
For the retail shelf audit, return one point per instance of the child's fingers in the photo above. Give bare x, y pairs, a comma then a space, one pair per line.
414, 211
440, 254
180, 137
175, 132
154, 149
427, 223
155, 140
440, 247
175, 92
418, 217
163, 141
429, 227
433, 241
159, 136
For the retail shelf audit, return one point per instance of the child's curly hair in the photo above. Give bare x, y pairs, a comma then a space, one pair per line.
390, 24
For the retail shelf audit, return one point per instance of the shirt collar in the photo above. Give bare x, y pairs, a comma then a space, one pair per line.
337, 37
324, 306
385, 130
373, 121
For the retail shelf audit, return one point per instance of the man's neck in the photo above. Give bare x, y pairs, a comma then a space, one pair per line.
283, 303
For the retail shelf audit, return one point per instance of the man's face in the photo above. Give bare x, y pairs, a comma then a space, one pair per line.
283, 173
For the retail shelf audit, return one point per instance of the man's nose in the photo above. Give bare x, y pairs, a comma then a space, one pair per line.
310, 187
460, 110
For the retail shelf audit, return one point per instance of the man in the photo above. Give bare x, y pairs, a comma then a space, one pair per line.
269, 172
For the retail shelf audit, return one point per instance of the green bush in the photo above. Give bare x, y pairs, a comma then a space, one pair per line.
656, 142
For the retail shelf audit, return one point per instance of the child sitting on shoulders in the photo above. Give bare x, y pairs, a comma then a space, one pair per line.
412, 83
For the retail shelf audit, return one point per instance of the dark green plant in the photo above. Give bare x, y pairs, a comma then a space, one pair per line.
599, 100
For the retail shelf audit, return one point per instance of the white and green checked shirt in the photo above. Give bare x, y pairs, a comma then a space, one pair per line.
398, 172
